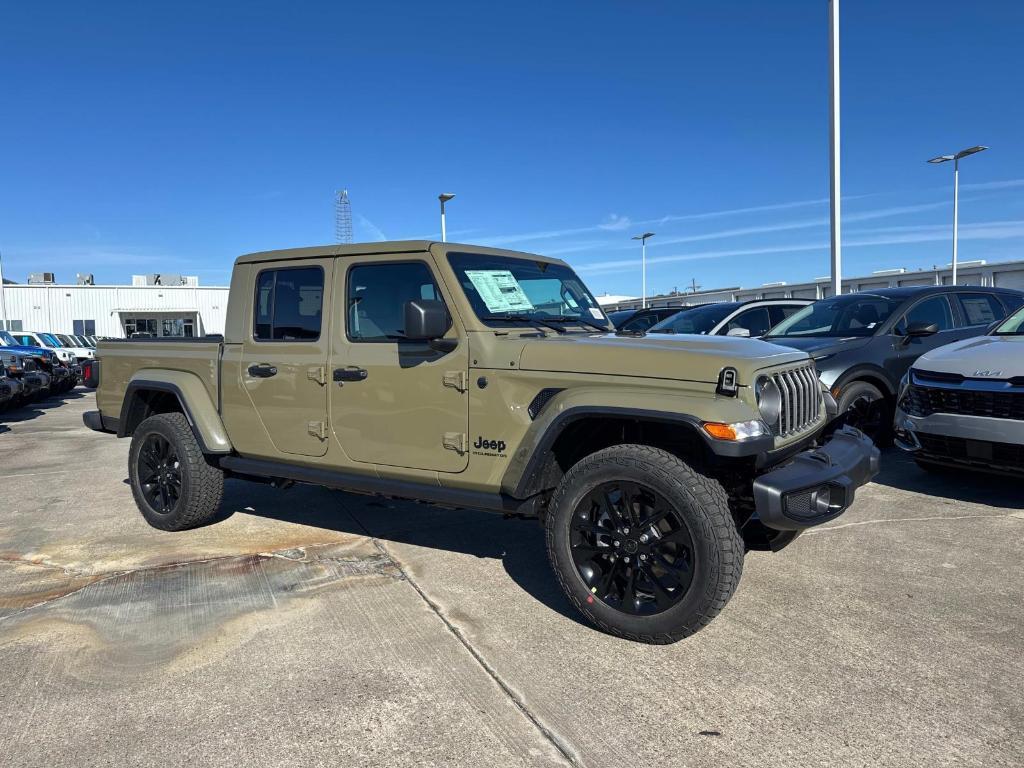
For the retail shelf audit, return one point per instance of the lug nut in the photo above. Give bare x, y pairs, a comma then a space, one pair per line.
626, 530
626, 559
643, 538
616, 543
643, 557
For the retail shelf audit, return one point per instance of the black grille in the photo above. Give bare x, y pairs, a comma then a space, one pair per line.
541, 400
924, 401
978, 452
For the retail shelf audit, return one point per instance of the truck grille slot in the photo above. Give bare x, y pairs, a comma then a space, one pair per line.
801, 400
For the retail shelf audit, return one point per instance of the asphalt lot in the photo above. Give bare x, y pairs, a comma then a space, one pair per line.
314, 627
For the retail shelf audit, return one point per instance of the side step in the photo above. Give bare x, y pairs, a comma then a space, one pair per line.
402, 489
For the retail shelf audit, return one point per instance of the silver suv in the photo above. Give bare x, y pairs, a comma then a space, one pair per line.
962, 404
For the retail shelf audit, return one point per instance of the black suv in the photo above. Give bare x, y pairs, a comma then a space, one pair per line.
640, 320
863, 343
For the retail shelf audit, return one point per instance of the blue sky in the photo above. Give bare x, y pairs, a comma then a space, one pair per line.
172, 137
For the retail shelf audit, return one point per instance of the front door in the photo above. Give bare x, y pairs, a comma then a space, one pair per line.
284, 356
395, 402
933, 309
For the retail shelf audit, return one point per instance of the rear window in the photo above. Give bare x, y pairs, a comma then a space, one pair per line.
980, 308
288, 304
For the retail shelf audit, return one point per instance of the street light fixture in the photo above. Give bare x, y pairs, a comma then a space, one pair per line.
643, 265
444, 197
956, 190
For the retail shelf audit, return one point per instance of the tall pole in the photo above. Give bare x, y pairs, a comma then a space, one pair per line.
956, 209
643, 271
444, 197
3, 300
837, 257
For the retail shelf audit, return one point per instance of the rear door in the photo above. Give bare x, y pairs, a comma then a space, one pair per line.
395, 402
283, 367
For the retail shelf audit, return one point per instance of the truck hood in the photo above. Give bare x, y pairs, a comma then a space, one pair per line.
818, 346
669, 356
1001, 356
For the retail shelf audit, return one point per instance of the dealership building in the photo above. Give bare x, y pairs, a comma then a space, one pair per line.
162, 305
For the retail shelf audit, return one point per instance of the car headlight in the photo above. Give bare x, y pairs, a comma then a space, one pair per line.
769, 399
739, 430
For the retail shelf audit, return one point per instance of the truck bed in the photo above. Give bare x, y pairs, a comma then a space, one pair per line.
126, 359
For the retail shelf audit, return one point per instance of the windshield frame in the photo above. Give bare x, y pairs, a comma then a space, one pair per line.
461, 261
847, 298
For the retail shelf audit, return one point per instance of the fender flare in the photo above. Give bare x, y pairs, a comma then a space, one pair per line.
874, 372
195, 403
521, 477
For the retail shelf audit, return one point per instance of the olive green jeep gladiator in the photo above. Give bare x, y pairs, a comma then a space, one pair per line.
481, 378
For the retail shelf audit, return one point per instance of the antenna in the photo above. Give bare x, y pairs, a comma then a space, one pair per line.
342, 217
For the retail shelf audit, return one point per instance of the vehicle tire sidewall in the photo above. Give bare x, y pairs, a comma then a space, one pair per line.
849, 395
706, 558
160, 427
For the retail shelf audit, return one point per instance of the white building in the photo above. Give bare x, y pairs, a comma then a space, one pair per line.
115, 310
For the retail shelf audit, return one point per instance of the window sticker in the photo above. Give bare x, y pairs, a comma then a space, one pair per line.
597, 313
499, 290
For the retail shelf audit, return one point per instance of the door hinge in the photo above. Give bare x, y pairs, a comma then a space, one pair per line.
317, 374
457, 380
454, 441
318, 429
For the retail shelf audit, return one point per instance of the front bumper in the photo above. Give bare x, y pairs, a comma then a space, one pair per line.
819, 484
982, 443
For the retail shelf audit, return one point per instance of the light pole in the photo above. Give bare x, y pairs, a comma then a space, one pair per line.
444, 197
837, 257
3, 302
643, 265
956, 189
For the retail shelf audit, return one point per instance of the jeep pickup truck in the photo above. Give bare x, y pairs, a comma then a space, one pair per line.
474, 377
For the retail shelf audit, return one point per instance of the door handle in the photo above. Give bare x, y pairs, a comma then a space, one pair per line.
351, 373
262, 371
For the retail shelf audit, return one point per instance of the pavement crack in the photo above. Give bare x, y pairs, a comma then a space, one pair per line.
826, 529
556, 741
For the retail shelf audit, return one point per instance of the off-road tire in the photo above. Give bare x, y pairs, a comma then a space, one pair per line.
202, 485
701, 501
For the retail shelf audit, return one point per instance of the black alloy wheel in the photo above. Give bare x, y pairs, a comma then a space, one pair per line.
159, 473
632, 549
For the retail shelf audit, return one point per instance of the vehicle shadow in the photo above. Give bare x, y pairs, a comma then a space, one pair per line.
518, 543
36, 408
899, 471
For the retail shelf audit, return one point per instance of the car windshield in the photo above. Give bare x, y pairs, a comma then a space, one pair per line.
843, 316
503, 290
66, 340
1013, 325
49, 340
695, 319
7, 340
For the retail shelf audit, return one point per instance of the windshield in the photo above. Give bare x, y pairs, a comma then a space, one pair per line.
695, 319
841, 317
49, 340
7, 340
504, 289
66, 340
1013, 325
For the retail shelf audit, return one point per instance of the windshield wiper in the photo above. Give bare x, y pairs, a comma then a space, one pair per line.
576, 319
513, 318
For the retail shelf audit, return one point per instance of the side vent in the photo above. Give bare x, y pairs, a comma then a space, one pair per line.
540, 401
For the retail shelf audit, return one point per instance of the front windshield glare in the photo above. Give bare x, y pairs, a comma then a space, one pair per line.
694, 319
502, 288
841, 317
1013, 325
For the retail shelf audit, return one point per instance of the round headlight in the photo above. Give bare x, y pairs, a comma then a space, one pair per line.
769, 399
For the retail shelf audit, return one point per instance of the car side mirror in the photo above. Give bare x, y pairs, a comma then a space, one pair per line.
428, 320
921, 329
742, 332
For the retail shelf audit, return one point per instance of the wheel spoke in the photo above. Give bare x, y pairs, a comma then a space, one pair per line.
655, 517
594, 529
609, 576
629, 597
608, 506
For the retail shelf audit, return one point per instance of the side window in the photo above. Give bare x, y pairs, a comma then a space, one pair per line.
376, 296
641, 322
980, 308
288, 304
754, 320
933, 310
779, 312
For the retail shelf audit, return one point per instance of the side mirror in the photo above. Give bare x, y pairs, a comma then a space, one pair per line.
919, 330
426, 320
741, 332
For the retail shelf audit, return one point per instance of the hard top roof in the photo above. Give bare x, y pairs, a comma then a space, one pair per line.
381, 248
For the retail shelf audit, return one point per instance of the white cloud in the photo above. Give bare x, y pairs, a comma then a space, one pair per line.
614, 222
375, 232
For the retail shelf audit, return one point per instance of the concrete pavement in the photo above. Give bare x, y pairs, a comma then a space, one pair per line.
314, 627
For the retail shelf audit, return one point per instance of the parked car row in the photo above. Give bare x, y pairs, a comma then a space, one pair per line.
37, 365
862, 344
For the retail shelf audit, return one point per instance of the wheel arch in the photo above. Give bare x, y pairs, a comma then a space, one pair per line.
169, 391
872, 374
583, 430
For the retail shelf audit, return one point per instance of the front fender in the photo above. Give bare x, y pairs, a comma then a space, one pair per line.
193, 397
687, 409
